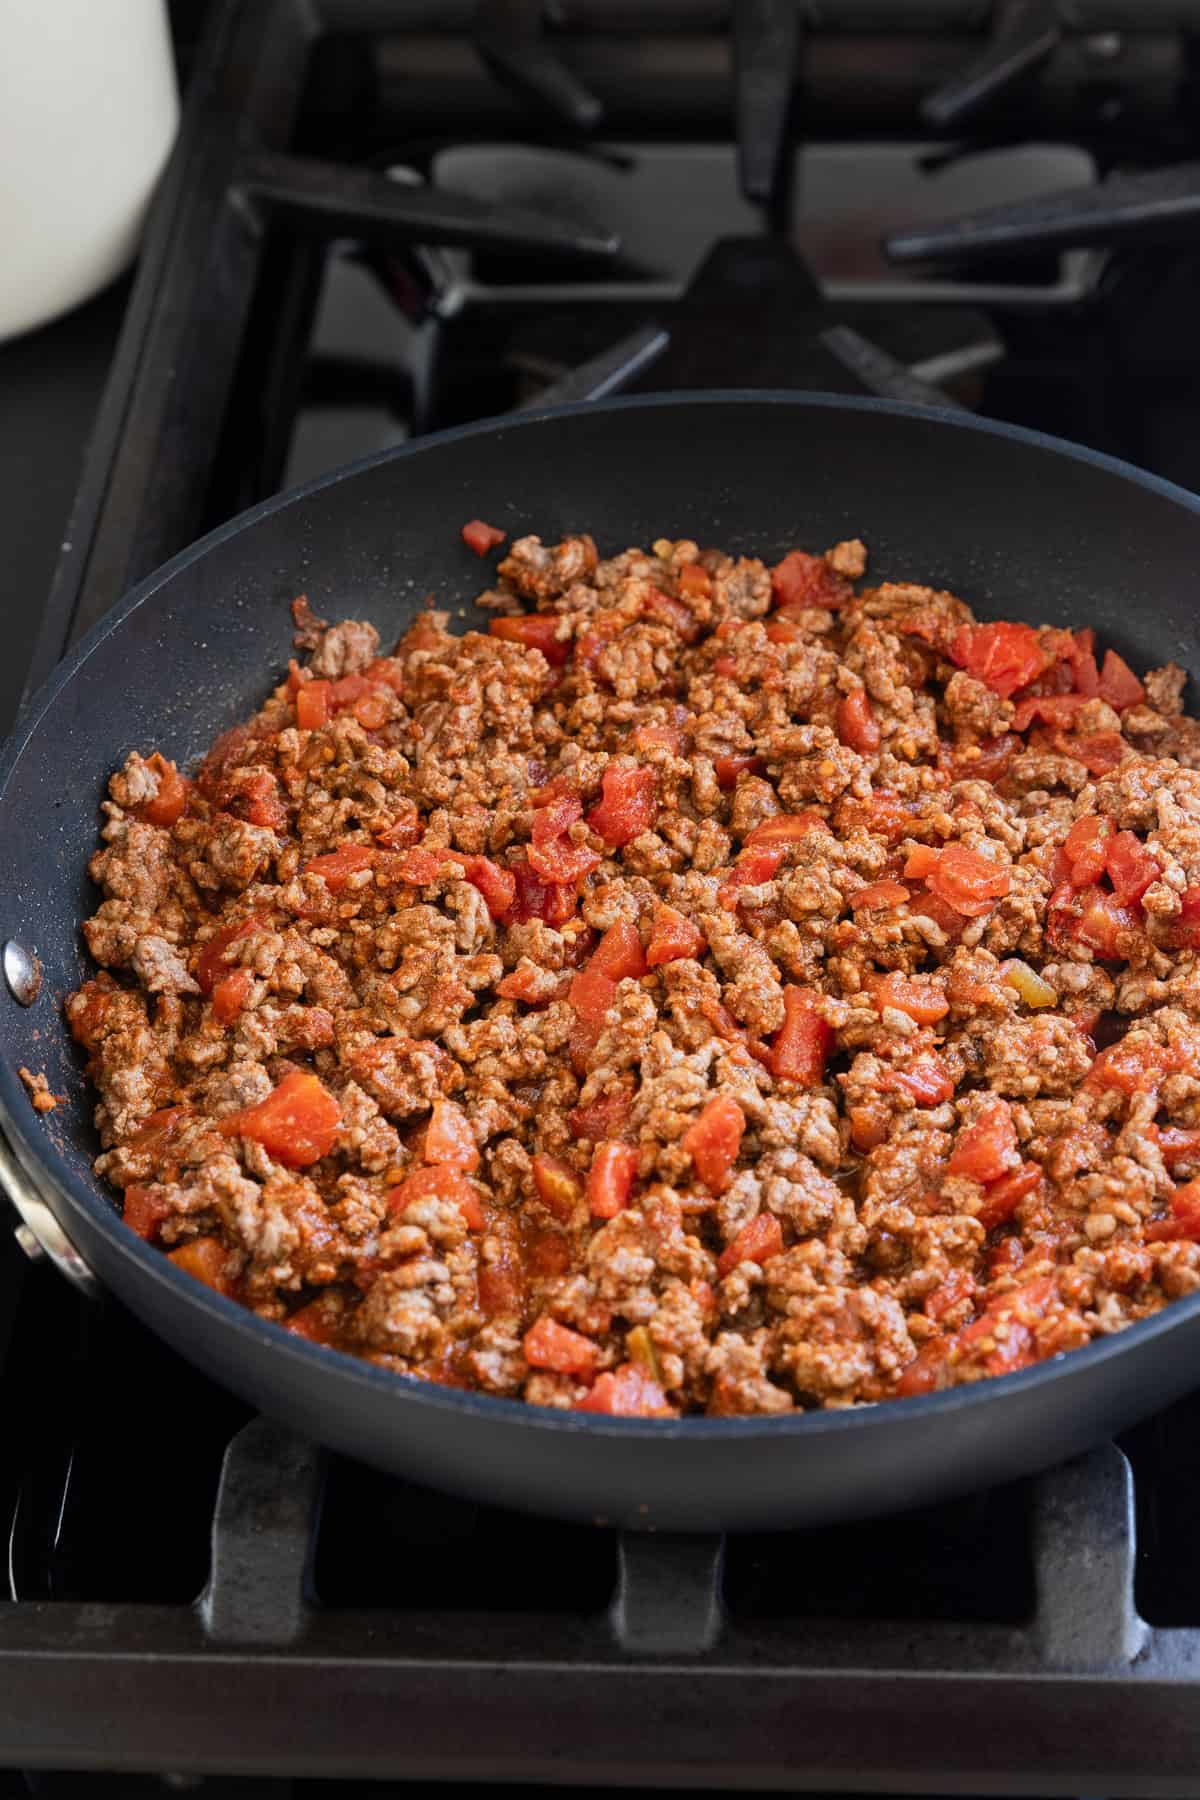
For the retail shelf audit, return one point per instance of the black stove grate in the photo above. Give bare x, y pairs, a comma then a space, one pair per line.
194, 1590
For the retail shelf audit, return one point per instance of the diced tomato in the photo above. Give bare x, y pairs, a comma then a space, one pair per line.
590, 996
1081, 655
438, 1182
524, 984
256, 799
1184, 1222
1051, 709
1004, 655
986, 760
619, 952
547, 1254
1105, 926
604, 627
958, 1286
144, 1210
1004, 1334
610, 1179
373, 711
404, 831
869, 1126
555, 816
876, 896
782, 630
230, 994
212, 963
1004, 1195
312, 705
966, 881
920, 863
558, 1186
693, 581
932, 906
627, 1393
316, 1322
784, 828
1130, 866
884, 814
537, 631
801, 1046
551, 853
757, 1241
549, 1345
348, 690
606, 1117
987, 1149
172, 796
1185, 927
919, 997
389, 672
501, 1285
856, 723
804, 580
674, 613
336, 868
296, 1123
154, 1136
553, 902
658, 737
923, 1374
1085, 849
1177, 1143
752, 869
449, 1140
728, 768
1132, 1066
1118, 683
480, 537
1100, 752
85, 1012
927, 1080
498, 886
416, 867
627, 807
672, 936
205, 1259
713, 1141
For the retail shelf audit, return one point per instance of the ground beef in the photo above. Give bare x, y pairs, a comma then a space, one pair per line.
714, 990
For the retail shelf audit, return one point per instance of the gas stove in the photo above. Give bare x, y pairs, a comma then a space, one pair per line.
389, 216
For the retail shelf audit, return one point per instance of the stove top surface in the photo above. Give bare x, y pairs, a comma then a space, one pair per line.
192, 1591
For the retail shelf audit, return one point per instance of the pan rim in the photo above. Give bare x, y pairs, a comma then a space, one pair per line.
38, 1157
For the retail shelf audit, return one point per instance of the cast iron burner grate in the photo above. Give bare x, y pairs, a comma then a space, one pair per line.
194, 1590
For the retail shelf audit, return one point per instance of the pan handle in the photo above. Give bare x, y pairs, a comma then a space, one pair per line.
39, 1233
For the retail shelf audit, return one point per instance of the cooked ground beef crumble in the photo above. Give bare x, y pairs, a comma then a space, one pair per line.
715, 989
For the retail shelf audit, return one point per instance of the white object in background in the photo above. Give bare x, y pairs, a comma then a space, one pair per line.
88, 111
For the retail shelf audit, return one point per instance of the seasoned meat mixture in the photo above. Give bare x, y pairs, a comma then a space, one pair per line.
710, 989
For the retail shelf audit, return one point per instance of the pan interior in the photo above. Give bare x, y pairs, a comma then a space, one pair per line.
1018, 526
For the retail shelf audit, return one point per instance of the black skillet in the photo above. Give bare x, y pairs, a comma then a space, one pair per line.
1020, 525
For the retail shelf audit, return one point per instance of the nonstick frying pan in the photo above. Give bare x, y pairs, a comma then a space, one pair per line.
1018, 524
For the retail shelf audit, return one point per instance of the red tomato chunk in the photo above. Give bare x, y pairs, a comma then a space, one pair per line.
611, 1179
296, 1124
713, 1141
627, 806
480, 537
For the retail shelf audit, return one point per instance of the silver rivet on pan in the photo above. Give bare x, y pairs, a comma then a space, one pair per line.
22, 972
